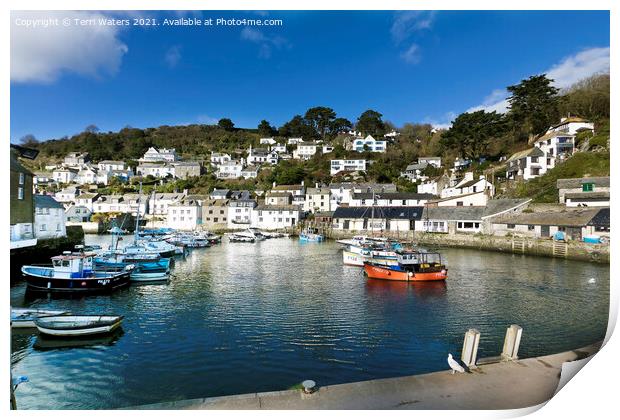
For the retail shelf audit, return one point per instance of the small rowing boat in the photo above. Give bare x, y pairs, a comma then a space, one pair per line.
78, 325
25, 317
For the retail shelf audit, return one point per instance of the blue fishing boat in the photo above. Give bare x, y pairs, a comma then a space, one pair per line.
311, 235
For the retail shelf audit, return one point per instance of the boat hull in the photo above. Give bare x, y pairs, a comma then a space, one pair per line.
77, 285
79, 328
394, 274
25, 318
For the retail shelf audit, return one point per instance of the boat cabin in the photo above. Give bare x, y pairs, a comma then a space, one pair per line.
420, 260
73, 265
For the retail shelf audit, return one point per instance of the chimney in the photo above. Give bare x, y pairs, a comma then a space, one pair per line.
185, 191
302, 182
316, 185
274, 184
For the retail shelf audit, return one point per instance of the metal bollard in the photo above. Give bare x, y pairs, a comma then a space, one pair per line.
470, 347
512, 342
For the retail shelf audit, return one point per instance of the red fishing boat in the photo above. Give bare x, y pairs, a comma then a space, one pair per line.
412, 266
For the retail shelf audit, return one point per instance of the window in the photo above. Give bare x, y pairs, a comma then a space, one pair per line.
221, 211
215, 220
530, 227
587, 187
57, 227
43, 227
21, 178
459, 203
510, 226
181, 218
260, 219
20, 193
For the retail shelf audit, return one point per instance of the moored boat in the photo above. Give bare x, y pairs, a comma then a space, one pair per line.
411, 266
78, 325
25, 317
73, 272
357, 259
311, 235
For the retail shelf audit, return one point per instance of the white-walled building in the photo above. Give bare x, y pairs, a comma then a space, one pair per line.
269, 140
49, 218
158, 202
342, 192
219, 158
468, 184
161, 155
305, 151
128, 203
184, 215
275, 217
76, 159
240, 213
527, 164
155, 169
278, 148
398, 199
338, 165
466, 200
414, 171
433, 161
64, 175
86, 200
327, 148
584, 192
369, 143
111, 165
230, 170
294, 140
250, 172
317, 199
572, 125
434, 186
67, 195
262, 156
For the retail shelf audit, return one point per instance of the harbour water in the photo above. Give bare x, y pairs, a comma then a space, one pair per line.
239, 318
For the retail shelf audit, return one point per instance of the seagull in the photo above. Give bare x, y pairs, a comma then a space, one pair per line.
454, 365
592, 280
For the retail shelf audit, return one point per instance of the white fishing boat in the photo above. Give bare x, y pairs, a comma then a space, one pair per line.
25, 317
233, 237
78, 325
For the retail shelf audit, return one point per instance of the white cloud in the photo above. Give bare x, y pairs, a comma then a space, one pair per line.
564, 74
442, 123
265, 43
407, 22
42, 54
173, 56
405, 25
412, 54
205, 119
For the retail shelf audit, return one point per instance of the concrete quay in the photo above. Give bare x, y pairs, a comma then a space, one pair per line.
494, 385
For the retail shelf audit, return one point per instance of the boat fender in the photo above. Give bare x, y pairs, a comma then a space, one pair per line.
410, 274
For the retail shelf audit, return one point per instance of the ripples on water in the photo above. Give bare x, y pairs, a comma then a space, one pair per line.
239, 318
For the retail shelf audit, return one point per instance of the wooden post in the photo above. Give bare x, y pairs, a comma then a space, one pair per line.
512, 342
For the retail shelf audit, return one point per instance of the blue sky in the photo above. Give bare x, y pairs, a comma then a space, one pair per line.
410, 66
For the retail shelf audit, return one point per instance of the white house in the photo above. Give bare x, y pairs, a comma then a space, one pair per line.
572, 125
64, 175
111, 165
584, 192
317, 199
327, 148
338, 165
556, 145
156, 169
161, 155
527, 164
433, 161
49, 218
278, 148
294, 140
305, 151
369, 143
42, 178
414, 171
86, 200
260, 156
184, 215
397, 199
479, 198
219, 158
376, 218
76, 159
342, 192
87, 175
468, 184
250, 172
158, 202
230, 170
433, 186
275, 217
128, 203
67, 195
269, 141
460, 164
240, 213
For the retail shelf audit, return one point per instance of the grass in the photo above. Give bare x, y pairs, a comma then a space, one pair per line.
543, 189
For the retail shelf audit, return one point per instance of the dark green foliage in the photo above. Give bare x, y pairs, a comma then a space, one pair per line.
534, 104
370, 122
589, 98
471, 133
226, 124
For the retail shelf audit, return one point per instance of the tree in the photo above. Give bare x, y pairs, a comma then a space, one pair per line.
471, 133
92, 128
339, 125
226, 124
265, 129
297, 127
320, 119
29, 140
370, 122
533, 104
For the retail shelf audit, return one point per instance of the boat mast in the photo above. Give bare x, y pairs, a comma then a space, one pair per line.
372, 213
135, 239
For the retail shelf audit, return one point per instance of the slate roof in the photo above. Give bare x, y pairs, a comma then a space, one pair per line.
267, 207
601, 218
47, 202
454, 213
533, 152
415, 166
496, 207
588, 195
380, 212
577, 218
599, 181
288, 187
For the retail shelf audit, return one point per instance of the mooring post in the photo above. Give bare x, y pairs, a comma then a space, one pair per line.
512, 342
470, 347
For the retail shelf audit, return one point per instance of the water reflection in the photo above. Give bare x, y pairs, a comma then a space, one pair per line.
44, 342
